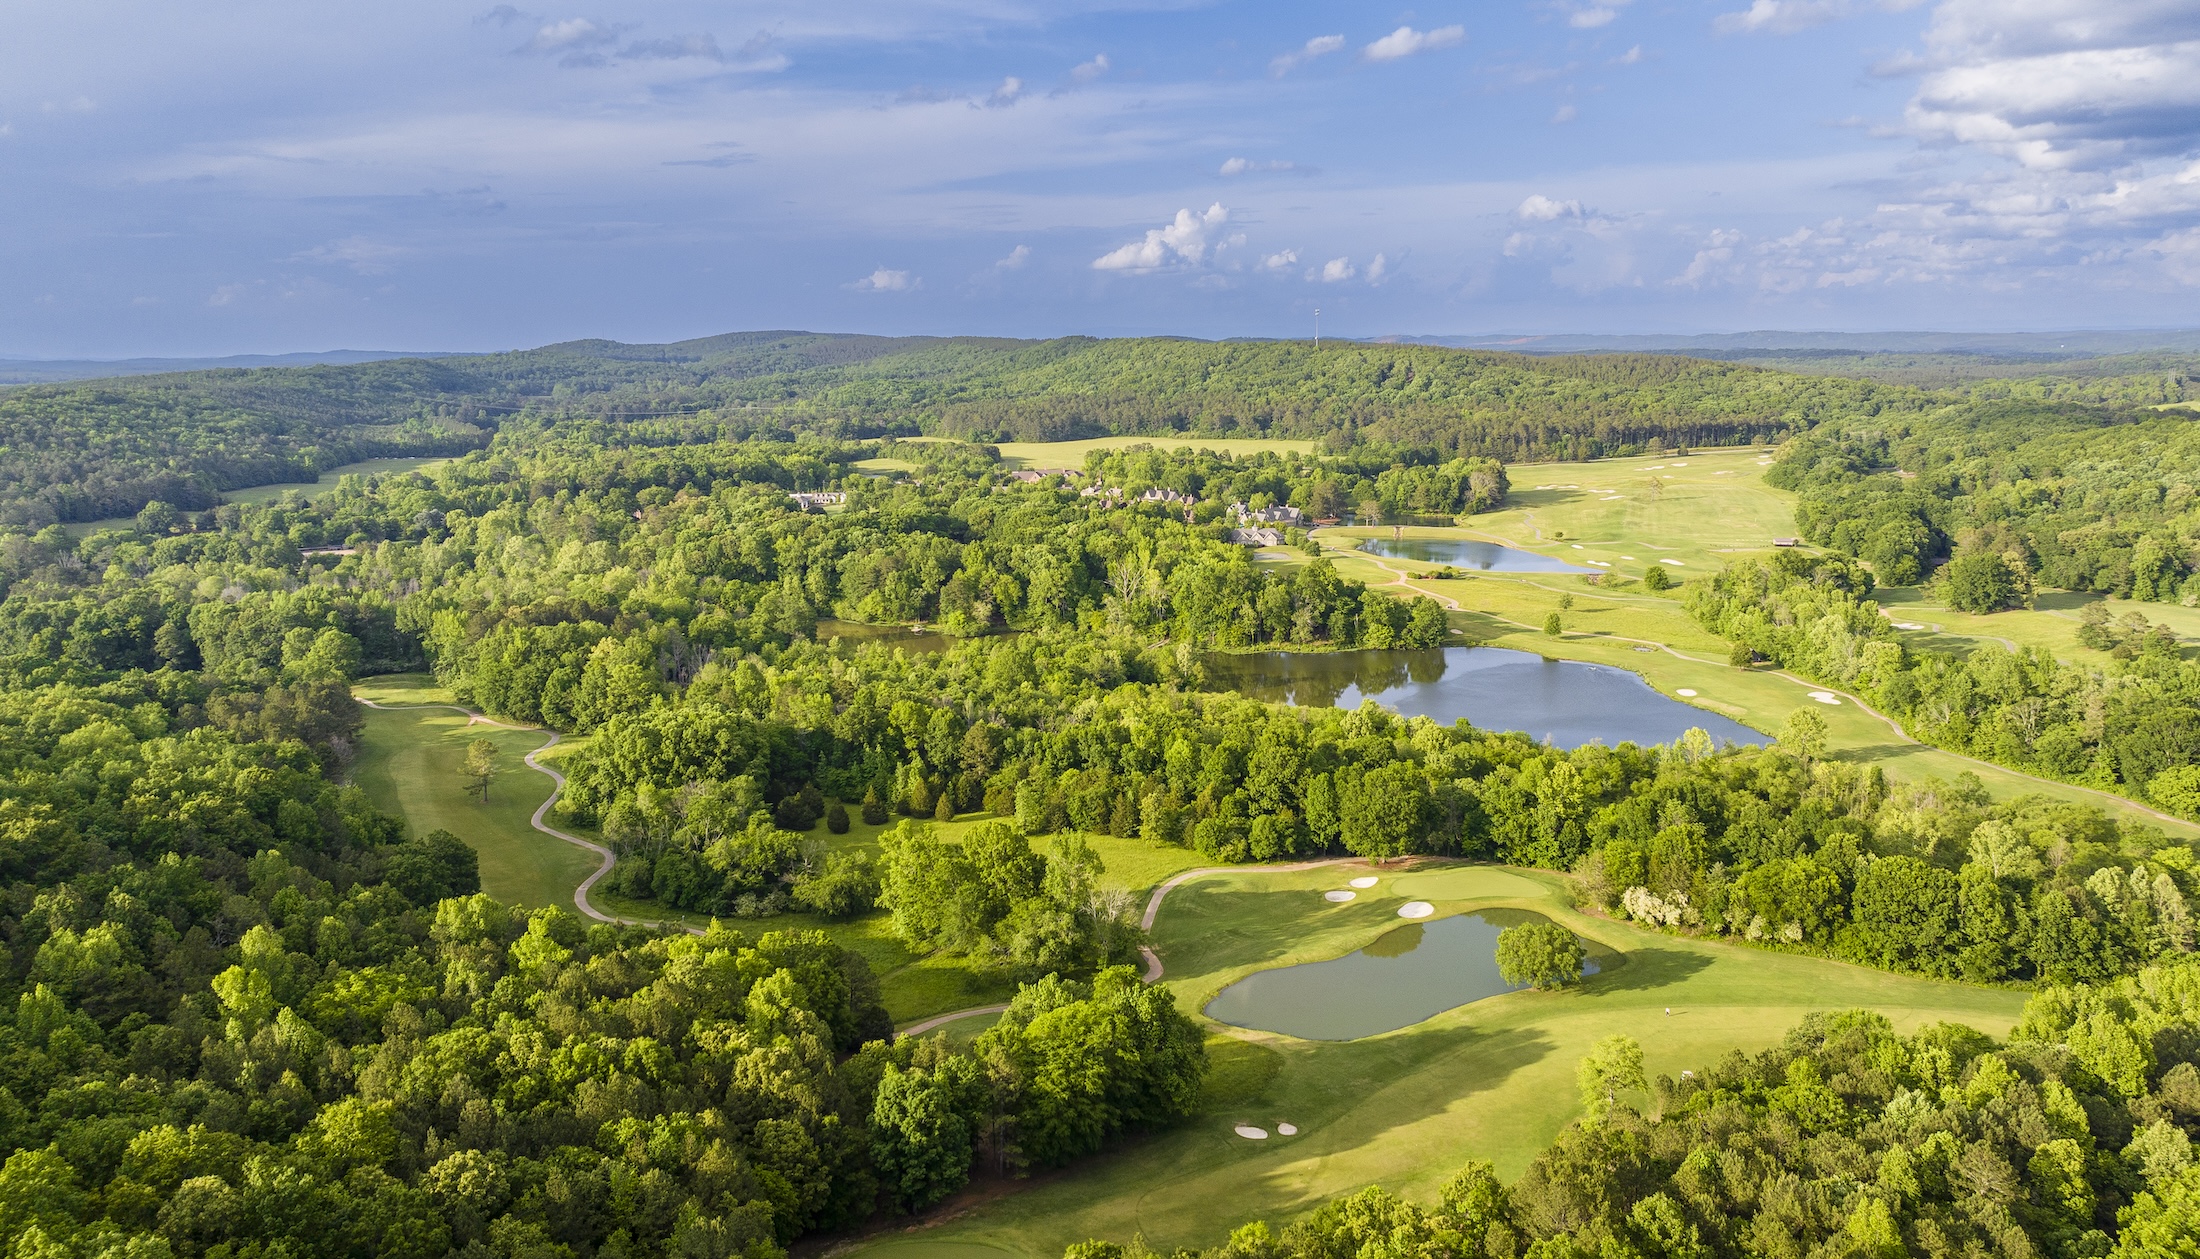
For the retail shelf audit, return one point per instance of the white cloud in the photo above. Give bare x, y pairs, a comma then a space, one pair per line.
1006, 94
1246, 165
1405, 41
571, 36
1377, 269
1541, 209
1319, 46
1630, 57
1712, 263
1785, 17
1281, 260
1590, 19
1184, 240
885, 281
1338, 270
1017, 257
1564, 113
1091, 70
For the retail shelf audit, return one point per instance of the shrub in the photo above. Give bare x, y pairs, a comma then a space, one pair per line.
1657, 578
836, 818
874, 809
1541, 953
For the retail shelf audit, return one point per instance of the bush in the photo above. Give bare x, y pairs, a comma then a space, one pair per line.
1657, 578
1553, 626
1541, 953
836, 818
874, 809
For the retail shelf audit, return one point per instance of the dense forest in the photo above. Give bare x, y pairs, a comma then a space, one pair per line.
98, 450
1848, 1139
255, 1016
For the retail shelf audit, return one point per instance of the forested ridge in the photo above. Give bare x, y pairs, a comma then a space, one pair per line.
102, 449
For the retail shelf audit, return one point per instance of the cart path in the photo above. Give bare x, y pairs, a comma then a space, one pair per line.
605, 857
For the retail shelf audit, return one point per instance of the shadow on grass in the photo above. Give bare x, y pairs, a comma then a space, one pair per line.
1647, 968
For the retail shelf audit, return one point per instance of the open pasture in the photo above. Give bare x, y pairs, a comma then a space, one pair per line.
1072, 454
1492, 1080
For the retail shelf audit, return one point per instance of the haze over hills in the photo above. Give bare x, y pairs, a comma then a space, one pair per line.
29, 371
2066, 344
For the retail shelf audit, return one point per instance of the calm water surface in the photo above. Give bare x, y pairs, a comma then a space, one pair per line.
1565, 701
857, 633
1412, 973
1486, 556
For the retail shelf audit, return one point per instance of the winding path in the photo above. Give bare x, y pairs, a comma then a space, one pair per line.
605, 857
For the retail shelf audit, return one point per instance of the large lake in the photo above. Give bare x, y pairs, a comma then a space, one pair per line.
1565, 701
1408, 974
1486, 556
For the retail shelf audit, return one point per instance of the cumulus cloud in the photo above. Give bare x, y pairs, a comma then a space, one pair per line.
1006, 94
1595, 15
1017, 257
1563, 114
1377, 269
1405, 41
885, 281
1630, 57
1184, 241
1712, 263
1246, 166
1281, 260
1319, 46
1338, 270
1541, 209
1090, 70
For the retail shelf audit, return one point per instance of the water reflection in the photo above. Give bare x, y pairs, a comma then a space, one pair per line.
1485, 556
1566, 702
1409, 974
856, 633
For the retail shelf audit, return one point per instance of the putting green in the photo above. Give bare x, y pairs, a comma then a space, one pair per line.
1494, 1079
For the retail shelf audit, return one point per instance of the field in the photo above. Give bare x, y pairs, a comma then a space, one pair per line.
408, 765
1714, 509
1491, 1080
269, 493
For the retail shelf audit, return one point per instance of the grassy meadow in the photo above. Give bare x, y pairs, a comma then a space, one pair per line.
1072, 454
1492, 1080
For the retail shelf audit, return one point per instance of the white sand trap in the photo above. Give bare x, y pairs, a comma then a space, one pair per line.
1340, 896
1601, 563
1627, 557
1653, 467
1612, 499
1365, 880
1251, 1133
1685, 693
1674, 563
1416, 909
1724, 472
1287, 1129
1680, 465
1578, 546
1825, 697
1907, 625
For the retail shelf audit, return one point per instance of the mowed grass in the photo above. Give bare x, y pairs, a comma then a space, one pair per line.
309, 489
1490, 1080
2052, 623
408, 765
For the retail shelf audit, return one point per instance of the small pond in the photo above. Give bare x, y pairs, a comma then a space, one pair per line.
1565, 701
1485, 556
1409, 974
856, 633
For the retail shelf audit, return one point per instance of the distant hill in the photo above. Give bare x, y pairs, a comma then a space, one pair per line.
33, 371
2056, 345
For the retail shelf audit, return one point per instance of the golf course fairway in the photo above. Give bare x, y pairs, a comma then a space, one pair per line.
1491, 1080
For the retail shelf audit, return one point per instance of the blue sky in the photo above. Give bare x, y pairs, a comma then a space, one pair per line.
254, 176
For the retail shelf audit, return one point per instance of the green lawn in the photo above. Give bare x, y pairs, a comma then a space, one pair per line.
1490, 1080
2051, 623
408, 765
308, 489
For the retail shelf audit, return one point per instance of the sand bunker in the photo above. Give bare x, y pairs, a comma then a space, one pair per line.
1824, 697
1340, 896
1908, 625
1674, 563
1365, 880
1288, 1130
1251, 1133
1685, 693
1416, 909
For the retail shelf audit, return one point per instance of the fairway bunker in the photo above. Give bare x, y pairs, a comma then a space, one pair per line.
1340, 896
1251, 1133
1364, 881
1406, 975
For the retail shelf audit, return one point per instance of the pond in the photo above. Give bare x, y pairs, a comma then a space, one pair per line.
1565, 701
856, 633
1412, 973
1485, 556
